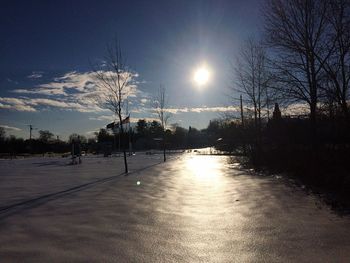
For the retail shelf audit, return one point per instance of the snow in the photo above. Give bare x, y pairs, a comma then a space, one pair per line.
193, 208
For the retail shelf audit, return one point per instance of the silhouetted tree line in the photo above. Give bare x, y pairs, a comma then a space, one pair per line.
144, 136
150, 135
302, 61
286, 146
45, 143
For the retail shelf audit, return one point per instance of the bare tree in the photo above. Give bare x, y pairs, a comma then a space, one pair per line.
115, 83
2, 133
45, 135
163, 116
337, 66
252, 79
297, 30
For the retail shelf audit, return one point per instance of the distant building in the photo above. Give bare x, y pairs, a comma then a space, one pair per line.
276, 113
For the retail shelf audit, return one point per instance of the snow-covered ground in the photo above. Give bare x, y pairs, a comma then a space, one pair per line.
194, 208
24, 179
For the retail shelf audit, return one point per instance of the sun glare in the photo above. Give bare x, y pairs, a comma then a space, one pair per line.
201, 76
205, 167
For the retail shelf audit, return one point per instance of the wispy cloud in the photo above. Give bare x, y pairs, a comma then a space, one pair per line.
35, 75
42, 91
91, 133
77, 91
203, 109
296, 109
109, 118
16, 104
102, 118
72, 91
34, 104
10, 128
135, 120
144, 101
150, 111
64, 105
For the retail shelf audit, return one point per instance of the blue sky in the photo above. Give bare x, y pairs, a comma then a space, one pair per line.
47, 48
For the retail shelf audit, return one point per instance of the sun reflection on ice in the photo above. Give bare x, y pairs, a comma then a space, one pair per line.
204, 189
206, 167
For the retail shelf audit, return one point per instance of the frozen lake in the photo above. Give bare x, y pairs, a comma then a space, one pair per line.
194, 208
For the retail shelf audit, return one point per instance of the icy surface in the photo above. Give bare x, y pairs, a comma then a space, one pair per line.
193, 208
24, 179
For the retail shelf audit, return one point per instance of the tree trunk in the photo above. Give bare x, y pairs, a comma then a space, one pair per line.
313, 126
164, 153
123, 145
164, 147
344, 107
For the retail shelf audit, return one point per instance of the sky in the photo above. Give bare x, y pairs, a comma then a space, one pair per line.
47, 50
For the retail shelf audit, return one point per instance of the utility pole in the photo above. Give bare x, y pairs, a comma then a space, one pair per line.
242, 117
30, 137
30, 131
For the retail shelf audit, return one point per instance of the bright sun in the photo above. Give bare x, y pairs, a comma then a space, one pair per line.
201, 76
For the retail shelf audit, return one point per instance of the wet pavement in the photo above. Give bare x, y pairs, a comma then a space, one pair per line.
194, 208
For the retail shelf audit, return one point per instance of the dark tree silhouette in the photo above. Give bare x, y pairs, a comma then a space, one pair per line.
297, 32
338, 63
2, 133
252, 79
115, 82
163, 115
141, 127
45, 135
